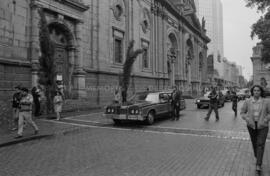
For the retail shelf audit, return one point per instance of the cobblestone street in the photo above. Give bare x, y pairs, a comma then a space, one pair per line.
97, 148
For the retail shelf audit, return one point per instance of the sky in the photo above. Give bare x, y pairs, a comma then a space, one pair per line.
237, 21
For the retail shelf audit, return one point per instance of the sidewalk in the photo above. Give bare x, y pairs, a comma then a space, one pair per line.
46, 129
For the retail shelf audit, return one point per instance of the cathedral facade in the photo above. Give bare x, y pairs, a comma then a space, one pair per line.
91, 38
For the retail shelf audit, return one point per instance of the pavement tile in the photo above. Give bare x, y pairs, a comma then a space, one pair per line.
110, 152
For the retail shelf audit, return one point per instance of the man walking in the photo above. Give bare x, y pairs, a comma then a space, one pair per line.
25, 112
213, 104
175, 103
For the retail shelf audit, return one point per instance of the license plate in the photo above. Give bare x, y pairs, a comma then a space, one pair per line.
131, 117
121, 116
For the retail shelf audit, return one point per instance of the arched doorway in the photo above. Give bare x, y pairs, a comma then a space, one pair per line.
64, 54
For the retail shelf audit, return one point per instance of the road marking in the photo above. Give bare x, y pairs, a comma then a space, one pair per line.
162, 127
148, 131
83, 115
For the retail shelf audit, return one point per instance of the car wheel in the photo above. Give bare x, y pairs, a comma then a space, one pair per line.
150, 118
117, 121
199, 106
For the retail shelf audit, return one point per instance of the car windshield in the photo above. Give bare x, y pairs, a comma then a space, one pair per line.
152, 97
207, 93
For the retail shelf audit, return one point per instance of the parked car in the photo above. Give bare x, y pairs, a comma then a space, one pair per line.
144, 108
241, 95
205, 101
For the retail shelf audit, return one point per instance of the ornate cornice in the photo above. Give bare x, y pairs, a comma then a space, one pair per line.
71, 3
157, 10
74, 4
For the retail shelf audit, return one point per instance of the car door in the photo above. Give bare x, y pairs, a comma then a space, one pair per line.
182, 103
164, 104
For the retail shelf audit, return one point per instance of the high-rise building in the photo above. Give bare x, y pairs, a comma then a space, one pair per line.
212, 12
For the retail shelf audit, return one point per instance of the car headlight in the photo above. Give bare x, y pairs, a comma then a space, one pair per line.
137, 111
132, 111
109, 110
198, 101
112, 110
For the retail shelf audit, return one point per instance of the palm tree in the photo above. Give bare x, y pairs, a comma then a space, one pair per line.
47, 69
130, 59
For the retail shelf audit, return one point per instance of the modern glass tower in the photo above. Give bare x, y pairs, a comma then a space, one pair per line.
212, 12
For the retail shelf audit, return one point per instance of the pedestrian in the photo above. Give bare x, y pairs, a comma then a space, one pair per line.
176, 94
58, 103
25, 112
256, 113
60, 88
234, 99
213, 104
42, 99
36, 97
15, 108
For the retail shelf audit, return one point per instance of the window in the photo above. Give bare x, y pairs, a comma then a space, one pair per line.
145, 58
145, 54
118, 50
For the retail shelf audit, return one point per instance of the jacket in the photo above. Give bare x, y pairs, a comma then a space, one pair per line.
213, 96
26, 103
264, 113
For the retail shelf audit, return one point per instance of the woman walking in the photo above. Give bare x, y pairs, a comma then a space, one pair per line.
234, 103
58, 103
256, 112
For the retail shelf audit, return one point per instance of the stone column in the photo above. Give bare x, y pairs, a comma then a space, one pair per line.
172, 58
34, 43
79, 74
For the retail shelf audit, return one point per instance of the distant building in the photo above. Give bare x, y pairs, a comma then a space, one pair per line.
261, 71
231, 73
212, 12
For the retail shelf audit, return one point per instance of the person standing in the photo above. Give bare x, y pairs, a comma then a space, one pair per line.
176, 103
36, 96
256, 113
15, 108
234, 99
58, 103
25, 112
42, 99
213, 104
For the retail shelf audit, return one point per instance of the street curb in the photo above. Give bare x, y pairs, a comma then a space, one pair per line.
26, 139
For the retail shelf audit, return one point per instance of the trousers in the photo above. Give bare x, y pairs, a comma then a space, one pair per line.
258, 139
211, 107
27, 116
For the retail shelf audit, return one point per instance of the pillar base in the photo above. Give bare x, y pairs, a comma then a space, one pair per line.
34, 81
79, 90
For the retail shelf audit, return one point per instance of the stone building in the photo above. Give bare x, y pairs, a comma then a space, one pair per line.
91, 38
261, 70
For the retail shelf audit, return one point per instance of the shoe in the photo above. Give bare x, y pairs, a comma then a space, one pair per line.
206, 119
258, 168
17, 137
217, 120
36, 132
14, 129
